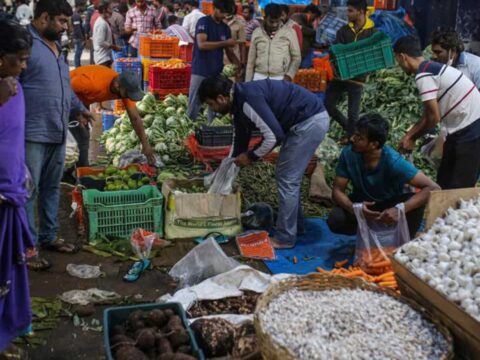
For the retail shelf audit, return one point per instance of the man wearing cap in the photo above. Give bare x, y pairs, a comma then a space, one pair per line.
95, 84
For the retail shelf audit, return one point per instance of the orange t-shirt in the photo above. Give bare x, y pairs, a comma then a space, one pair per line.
92, 85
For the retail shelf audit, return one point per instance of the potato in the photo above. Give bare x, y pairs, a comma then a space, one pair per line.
156, 317
130, 353
118, 330
168, 313
166, 356
137, 325
178, 338
125, 340
164, 346
185, 349
145, 338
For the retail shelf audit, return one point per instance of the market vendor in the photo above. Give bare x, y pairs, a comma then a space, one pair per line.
378, 175
451, 98
448, 48
95, 84
285, 114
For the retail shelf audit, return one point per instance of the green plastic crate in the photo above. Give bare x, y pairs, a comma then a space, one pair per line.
118, 315
118, 213
362, 57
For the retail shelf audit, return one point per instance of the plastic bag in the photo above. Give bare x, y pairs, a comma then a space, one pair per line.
142, 242
375, 240
433, 150
221, 181
258, 216
136, 157
83, 271
203, 262
71, 151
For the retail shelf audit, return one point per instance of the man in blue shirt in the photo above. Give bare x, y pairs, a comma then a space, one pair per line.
378, 175
212, 36
48, 101
448, 48
287, 115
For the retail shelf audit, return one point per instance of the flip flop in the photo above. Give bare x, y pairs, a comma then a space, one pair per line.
136, 270
61, 246
37, 263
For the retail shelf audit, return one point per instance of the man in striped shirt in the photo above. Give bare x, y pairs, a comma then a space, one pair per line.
451, 98
140, 19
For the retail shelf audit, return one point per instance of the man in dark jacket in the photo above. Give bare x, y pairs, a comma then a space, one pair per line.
285, 114
306, 20
359, 27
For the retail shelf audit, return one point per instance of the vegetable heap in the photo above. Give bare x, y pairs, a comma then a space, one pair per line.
118, 179
166, 126
229, 70
170, 64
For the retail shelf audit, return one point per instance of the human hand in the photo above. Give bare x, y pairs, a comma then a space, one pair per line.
243, 160
406, 145
149, 153
8, 88
370, 214
287, 78
116, 48
230, 42
389, 216
85, 118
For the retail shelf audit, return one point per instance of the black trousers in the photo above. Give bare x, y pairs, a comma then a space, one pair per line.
460, 165
335, 91
341, 221
82, 137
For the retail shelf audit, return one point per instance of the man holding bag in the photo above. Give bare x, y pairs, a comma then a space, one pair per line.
285, 114
378, 175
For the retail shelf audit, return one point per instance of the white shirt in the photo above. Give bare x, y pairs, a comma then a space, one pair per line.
457, 96
190, 21
102, 40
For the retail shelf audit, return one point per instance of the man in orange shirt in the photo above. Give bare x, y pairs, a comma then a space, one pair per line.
95, 84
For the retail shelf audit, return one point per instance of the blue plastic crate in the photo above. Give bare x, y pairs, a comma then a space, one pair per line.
327, 29
124, 63
118, 315
108, 120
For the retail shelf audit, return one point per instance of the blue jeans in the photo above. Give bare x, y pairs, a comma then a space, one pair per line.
45, 162
194, 104
78, 53
297, 149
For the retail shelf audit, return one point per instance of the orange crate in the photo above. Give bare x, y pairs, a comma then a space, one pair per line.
312, 79
185, 52
207, 7
118, 106
385, 4
158, 46
323, 63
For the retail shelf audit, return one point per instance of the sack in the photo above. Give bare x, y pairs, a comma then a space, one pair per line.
221, 181
319, 189
375, 240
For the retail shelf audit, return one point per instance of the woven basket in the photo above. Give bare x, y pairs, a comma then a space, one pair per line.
322, 282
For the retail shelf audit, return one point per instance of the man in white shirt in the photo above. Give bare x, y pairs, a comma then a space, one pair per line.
190, 21
24, 14
451, 98
103, 43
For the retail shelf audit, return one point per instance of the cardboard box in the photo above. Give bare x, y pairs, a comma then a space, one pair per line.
464, 328
193, 215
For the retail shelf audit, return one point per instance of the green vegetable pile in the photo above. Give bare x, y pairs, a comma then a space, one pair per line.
166, 126
229, 70
257, 183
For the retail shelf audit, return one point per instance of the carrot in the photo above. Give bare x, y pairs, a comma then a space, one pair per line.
380, 264
320, 270
388, 283
355, 273
342, 263
387, 274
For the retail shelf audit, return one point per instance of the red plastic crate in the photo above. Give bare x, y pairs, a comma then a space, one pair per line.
185, 52
385, 4
164, 79
159, 46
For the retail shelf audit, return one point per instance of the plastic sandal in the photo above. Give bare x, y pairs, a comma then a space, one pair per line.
219, 238
136, 270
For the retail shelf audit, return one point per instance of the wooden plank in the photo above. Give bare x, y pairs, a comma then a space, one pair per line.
440, 201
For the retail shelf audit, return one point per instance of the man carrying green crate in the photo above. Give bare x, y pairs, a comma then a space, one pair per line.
359, 27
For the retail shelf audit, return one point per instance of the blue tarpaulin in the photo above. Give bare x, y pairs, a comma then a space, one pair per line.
317, 247
392, 23
263, 3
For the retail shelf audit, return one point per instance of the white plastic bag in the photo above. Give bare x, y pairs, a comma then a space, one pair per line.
204, 261
71, 151
221, 181
375, 240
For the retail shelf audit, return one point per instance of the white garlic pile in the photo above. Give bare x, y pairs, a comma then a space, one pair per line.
447, 257
350, 324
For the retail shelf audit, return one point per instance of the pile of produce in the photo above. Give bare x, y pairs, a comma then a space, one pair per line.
242, 305
257, 183
350, 324
166, 126
218, 337
170, 64
229, 70
157, 334
447, 256
114, 179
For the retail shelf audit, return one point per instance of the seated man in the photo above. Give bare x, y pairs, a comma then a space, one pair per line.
378, 175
